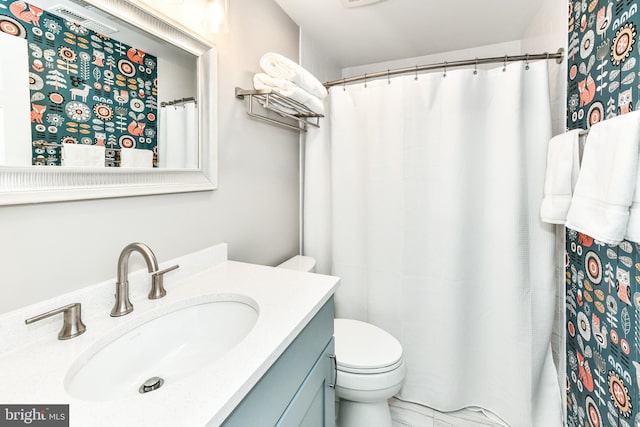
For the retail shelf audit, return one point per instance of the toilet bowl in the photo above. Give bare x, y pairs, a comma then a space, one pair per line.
371, 369
370, 366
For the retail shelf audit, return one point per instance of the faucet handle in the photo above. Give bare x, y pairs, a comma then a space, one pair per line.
72, 325
157, 283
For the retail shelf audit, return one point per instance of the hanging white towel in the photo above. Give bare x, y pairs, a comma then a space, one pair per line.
607, 180
262, 81
175, 128
283, 68
633, 227
563, 165
81, 155
135, 158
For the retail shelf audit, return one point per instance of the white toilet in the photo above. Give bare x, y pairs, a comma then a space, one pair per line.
371, 368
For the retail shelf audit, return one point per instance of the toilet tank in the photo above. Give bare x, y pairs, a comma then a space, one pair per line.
300, 263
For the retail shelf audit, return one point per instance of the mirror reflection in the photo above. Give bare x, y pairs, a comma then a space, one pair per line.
79, 88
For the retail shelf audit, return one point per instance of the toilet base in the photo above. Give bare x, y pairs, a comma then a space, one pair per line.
357, 414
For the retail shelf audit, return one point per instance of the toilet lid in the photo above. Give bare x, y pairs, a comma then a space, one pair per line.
362, 347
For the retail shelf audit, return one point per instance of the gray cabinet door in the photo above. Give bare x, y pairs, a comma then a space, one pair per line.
280, 387
314, 403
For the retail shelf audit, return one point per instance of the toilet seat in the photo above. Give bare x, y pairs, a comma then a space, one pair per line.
362, 348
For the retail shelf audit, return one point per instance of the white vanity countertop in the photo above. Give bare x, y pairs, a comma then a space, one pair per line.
33, 369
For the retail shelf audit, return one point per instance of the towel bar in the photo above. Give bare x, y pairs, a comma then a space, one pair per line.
285, 107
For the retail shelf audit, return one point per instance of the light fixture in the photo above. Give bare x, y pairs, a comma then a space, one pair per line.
356, 3
216, 19
173, 1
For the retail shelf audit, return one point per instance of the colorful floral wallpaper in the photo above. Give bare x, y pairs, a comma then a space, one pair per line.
603, 281
603, 323
85, 87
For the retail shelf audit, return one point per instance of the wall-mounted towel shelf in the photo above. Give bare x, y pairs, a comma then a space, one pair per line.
285, 107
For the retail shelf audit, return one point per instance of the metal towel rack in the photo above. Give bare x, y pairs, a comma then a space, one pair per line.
285, 107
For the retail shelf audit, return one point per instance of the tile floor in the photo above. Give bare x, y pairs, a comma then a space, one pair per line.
406, 414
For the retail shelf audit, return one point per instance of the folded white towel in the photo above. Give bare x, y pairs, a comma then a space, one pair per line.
607, 180
563, 165
81, 155
135, 158
283, 68
262, 81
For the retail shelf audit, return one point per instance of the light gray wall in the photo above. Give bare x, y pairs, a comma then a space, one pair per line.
50, 249
319, 62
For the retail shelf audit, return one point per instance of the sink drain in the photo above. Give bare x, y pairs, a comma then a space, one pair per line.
151, 384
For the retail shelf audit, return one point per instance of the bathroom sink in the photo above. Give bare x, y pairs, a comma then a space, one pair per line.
169, 347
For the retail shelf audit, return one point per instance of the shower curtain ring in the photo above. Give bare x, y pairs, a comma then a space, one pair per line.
526, 66
344, 84
388, 76
475, 68
504, 68
416, 73
365, 80
445, 69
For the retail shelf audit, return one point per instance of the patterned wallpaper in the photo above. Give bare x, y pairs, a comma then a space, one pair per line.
85, 87
603, 281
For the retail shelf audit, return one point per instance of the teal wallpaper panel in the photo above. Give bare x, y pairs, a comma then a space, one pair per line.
603, 295
603, 323
85, 87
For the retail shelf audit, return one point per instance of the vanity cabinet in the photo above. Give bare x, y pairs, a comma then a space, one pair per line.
298, 388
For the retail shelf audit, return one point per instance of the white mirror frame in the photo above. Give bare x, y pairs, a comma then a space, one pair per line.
25, 185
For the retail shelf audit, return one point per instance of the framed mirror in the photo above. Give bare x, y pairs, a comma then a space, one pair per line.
103, 98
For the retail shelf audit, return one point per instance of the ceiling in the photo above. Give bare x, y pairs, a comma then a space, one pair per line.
396, 29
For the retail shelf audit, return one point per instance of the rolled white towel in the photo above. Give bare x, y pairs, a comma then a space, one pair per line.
281, 109
262, 81
283, 68
560, 176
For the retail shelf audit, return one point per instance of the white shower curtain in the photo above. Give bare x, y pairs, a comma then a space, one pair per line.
436, 185
178, 136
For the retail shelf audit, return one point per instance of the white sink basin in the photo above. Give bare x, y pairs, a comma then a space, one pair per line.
171, 347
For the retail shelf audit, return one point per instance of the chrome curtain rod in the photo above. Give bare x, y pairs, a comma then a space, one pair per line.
177, 101
558, 56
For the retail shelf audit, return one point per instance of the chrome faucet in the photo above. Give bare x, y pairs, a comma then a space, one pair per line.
123, 305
